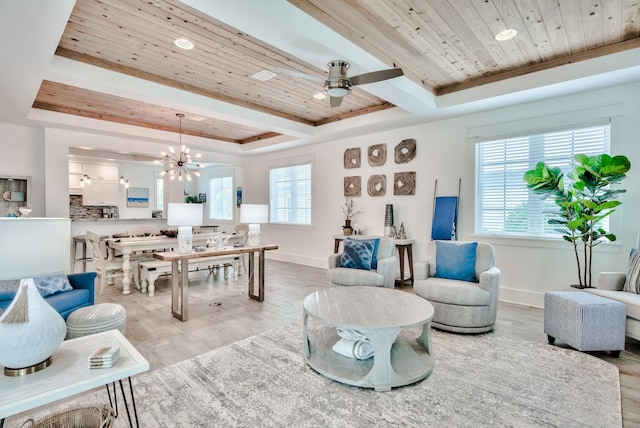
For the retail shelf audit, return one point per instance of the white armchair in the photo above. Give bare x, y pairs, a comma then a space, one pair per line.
460, 306
382, 276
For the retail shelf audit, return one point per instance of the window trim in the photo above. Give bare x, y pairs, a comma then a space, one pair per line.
290, 163
531, 237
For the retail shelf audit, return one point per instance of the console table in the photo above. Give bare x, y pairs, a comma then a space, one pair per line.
180, 277
404, 246
69, 374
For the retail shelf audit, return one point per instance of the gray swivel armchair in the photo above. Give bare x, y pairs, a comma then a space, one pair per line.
382, 276
460, 306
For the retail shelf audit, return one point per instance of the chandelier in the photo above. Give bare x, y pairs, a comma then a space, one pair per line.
179, 164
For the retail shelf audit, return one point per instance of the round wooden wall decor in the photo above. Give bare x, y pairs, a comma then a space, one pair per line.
377, 185
404, 183
352, 186
377, 154
352, 158
405, 151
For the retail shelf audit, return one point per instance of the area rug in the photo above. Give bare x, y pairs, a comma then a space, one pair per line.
478, 381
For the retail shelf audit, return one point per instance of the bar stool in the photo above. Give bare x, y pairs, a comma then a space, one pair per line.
79, 239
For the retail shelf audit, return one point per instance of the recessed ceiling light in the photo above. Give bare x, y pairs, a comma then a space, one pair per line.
197, 118
320, 96
507, 34
183, 43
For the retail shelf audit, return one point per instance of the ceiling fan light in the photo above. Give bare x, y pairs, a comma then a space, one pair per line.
337, 92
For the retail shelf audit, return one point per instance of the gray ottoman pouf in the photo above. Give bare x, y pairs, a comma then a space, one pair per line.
96, 318
585, 321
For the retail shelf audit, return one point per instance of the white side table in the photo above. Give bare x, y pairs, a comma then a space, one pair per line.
70, 374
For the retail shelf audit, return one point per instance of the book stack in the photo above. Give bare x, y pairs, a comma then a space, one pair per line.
104, 358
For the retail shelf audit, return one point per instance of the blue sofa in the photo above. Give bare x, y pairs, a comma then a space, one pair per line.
68, 301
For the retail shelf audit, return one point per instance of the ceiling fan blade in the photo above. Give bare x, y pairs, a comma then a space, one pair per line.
375, 76
300, 74
335, 101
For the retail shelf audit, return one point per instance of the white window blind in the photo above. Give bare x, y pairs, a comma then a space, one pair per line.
221, 198
290, 194
504, 205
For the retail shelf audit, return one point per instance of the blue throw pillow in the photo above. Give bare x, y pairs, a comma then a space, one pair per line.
374, 257
357, 254
456, 261
48, 285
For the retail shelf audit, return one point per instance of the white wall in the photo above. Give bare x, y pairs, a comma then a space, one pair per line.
22, 153
445, 153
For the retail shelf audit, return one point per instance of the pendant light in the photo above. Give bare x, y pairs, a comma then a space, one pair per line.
180, 164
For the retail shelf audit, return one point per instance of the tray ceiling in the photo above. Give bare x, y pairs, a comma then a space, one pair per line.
442, 46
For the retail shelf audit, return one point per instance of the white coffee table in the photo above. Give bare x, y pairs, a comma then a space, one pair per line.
381, 314
69, 374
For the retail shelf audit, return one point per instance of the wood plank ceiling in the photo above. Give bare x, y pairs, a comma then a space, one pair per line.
442, 45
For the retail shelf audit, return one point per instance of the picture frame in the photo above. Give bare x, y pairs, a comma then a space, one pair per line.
138, 197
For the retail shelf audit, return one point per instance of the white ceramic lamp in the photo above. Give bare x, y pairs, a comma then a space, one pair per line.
30, 329
253, 215
185, 216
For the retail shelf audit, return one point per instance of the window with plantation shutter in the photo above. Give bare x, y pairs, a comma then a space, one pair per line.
504, 206
221, 199
290, 194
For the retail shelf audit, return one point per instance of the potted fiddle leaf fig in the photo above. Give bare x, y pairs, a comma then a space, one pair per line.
585, 200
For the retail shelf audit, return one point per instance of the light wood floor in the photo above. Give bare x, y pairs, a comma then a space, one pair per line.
220, 313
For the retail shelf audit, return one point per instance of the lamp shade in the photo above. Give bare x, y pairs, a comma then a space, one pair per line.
184, 214
253, 213
33, 247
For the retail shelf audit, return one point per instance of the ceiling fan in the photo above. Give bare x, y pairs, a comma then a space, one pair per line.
339, 84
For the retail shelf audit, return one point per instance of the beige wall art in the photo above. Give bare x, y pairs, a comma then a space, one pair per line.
405, 151
352, 186
404, 183
377, 185
377, 154
352, 158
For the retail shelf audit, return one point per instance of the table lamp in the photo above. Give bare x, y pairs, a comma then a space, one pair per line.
185, 216
30, 329
254, 215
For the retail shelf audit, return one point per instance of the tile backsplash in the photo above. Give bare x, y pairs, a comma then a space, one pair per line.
77, 210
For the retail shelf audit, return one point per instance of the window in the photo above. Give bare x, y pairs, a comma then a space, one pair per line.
159, 192
221, 198
504, 205
290, 194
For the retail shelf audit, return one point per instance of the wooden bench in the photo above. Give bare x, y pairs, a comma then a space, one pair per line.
150, 270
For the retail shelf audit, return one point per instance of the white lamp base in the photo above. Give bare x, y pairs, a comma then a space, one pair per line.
253, 235
185, 239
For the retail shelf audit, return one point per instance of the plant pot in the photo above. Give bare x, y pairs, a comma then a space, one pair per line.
347, 231
579, 287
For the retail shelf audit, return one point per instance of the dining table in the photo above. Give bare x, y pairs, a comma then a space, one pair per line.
132, 247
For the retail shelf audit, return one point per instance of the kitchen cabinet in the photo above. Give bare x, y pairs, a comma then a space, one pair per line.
101, 172
100, 192
104, 189
75, 174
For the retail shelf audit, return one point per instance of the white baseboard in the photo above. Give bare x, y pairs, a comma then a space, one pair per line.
522, 297
511, 295
294, 258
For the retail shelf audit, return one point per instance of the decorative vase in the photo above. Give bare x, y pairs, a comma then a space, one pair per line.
30, 331
346, 229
